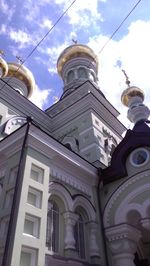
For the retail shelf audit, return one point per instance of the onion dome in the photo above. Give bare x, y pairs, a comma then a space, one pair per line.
131, 92
3, 68
75, 51
23, 74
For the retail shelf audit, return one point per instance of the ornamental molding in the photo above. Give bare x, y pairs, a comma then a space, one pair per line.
14, 121
123, 187
122, 231
70, 180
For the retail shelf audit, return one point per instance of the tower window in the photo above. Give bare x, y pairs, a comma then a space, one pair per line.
82, 72
37, 173
31, 225
52, 235
28, 257
70, 76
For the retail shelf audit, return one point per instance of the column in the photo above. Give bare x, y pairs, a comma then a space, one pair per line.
70, 220
123, 240
93, 247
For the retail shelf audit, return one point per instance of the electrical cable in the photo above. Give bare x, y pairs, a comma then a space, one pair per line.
43, 38
120, 25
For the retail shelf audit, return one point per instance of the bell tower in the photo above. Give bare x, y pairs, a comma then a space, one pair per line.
76, 64
83, 119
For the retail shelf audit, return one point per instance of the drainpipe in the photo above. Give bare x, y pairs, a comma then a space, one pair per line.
16, 200
101, 220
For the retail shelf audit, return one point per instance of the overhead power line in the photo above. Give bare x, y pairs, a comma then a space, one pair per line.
42, 39
63, 14
120, 25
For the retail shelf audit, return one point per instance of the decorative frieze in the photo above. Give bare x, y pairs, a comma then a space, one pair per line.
70, 180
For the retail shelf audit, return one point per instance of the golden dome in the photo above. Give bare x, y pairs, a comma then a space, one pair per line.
22, 73
74, 51
131, 92
3, 67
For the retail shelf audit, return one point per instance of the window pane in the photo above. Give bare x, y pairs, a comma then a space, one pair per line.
52, 237
28, 227
32, 199
79, 236
34, 175
25, 259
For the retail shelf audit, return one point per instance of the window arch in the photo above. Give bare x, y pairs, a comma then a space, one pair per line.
82, 73
52, 234
70, 76
80, 232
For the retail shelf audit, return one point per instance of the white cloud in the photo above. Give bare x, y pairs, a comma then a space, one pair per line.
6, 9
40, 97
46, 23
3, 29
133, 51
82, 12
4, 6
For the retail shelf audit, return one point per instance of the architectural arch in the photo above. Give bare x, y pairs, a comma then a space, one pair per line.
62, 193
80, 201
127, 219
124, 199
71, 143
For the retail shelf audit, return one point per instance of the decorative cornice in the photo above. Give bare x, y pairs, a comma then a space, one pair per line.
70, 180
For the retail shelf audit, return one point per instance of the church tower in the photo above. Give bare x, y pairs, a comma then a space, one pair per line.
16, 78
83, 119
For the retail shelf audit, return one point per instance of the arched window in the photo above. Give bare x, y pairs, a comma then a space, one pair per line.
82, 72
52, 234
70, 76
68, 145
80, 233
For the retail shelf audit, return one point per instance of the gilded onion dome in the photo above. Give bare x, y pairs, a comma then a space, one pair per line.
23, 74
130, 93
74, 51
3, 68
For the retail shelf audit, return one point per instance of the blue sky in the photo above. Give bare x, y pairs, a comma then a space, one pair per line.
91, 22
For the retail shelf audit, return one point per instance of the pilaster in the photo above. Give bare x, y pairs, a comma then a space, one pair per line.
123, 240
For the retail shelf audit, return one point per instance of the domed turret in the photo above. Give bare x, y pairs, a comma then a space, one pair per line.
21, 80
3, 68
133, 98
130, 93
76, 64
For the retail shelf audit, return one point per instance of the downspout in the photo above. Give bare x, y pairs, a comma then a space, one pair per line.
7, 256
101, 220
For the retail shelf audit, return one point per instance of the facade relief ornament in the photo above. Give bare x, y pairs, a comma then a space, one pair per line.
123, 240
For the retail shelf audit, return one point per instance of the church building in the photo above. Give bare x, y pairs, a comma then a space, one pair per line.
73, 191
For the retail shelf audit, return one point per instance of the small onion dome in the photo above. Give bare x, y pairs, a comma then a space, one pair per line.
74, 51
131, 92
3, 68
22, 73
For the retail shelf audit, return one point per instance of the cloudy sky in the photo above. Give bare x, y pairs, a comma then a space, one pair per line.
24, 23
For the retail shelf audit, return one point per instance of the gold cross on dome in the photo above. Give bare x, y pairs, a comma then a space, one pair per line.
19, 59
127, 78
74, 41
